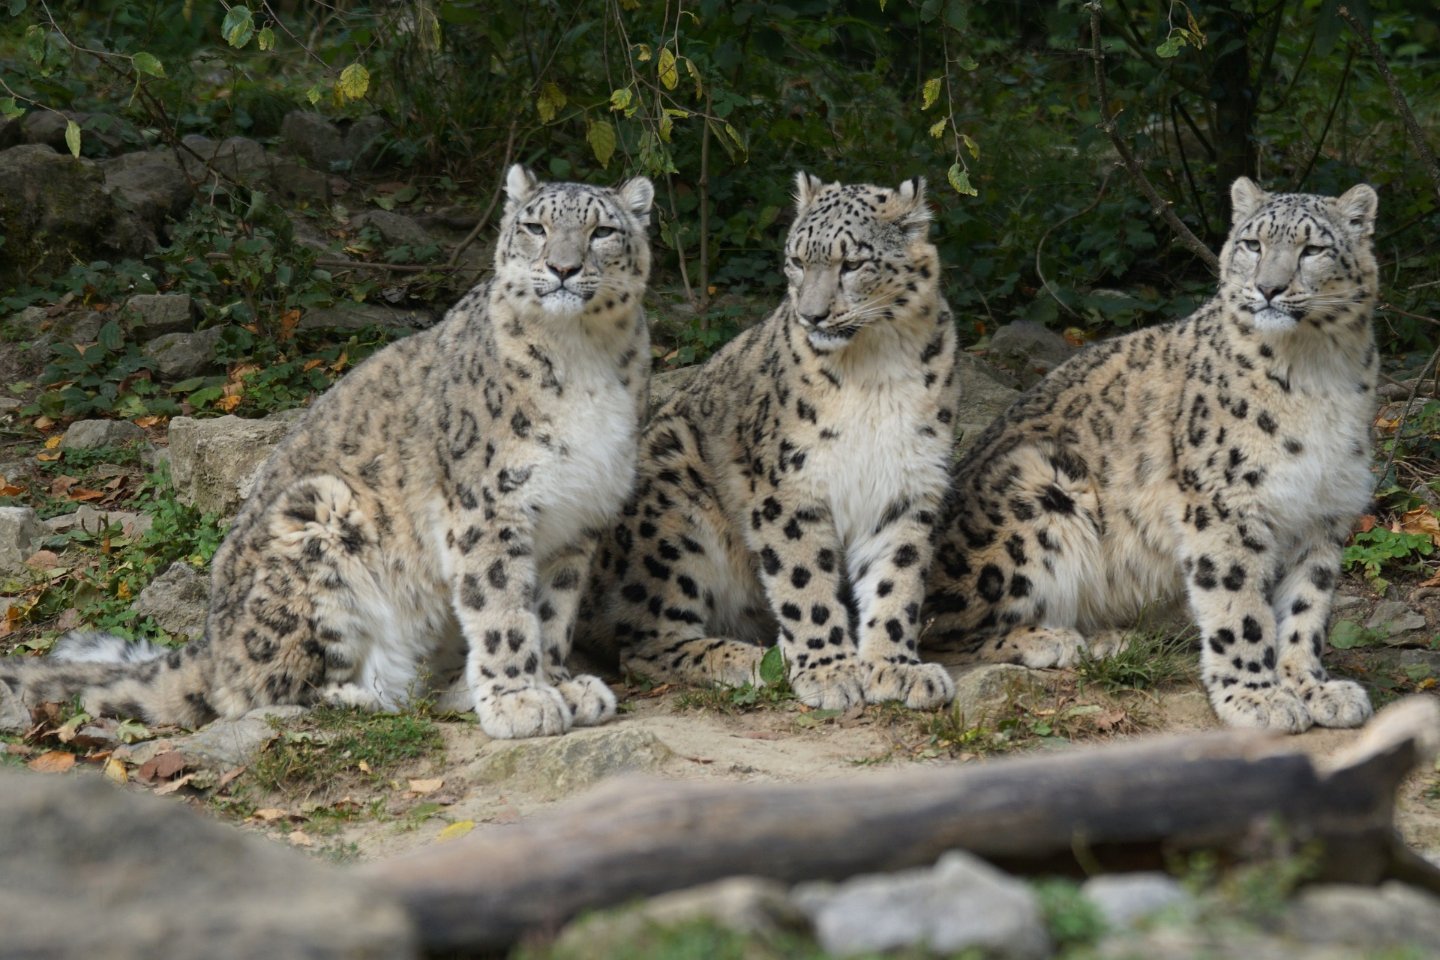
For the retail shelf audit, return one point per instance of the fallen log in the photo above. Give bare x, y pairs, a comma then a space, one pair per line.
1112, 807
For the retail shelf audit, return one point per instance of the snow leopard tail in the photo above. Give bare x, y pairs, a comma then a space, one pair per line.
114, 677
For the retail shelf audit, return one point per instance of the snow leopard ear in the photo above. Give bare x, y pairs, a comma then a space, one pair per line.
807, 185
1245, 199
638, 193
911, 211
1357, 207
520, 186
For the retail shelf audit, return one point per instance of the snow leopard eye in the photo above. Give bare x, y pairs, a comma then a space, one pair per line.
535, 227
795, 264
1252, 245
600, 233
850, 266
1313, 250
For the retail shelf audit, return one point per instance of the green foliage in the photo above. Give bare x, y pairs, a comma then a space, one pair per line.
331, 747
1148, 660
1072, 918
1348, 634
109, 376
1381, 549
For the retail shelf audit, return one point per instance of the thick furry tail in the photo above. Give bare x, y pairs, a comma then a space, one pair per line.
114, 677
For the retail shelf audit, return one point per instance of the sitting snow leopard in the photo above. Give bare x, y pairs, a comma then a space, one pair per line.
441, 502
1223, 457
794, 484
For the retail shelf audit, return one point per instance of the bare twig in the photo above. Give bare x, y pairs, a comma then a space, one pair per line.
494, 199
1040, 245
703, 185
1402, 106
1158, 204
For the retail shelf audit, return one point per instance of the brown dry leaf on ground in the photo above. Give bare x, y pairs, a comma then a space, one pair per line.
55, 761
1421, 520
162, 766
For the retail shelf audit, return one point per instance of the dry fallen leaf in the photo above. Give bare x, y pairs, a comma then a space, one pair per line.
43, 559
456, 830
115, 770
270, 814
423, 787
162, 766
1421, 520
55, 761
52, 442
168, 788
300, 838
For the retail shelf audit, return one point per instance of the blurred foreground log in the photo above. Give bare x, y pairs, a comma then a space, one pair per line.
1113, 807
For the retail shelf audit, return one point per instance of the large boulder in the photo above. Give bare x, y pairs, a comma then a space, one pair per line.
56, 211
179, 356
107, 873
152, 186
151, 314
331, 146
1030, 349
234, 158
214, 463
101, 134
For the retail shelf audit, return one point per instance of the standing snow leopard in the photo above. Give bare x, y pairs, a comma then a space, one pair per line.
793, 486
1224, 457
441, 502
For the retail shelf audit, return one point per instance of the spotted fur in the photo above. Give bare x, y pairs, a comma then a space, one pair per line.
794, 485
437, 506
1223, 458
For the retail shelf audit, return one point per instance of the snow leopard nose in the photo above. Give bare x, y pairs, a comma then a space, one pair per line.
563, 271
1271, 290
815, 319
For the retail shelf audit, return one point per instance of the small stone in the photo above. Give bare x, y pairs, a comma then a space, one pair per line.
222, 744
983, 689
1393, 915
1394, 618
74, 327
985, 393
179, 356
14, 715
1123, 898
554, 767
93, 519
349, 315
20, 531
213, 463
238, 158
314, 137
1030, 348
394, 228
94, 434
152, 314
177, 600
9, 405
299, 182
960, 904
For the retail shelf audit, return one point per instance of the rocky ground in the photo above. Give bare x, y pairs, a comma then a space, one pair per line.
108, 516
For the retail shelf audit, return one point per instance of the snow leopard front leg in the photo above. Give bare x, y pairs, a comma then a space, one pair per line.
1226, 568
1302, 611
561, 579
802, 567
888, 570
494, 587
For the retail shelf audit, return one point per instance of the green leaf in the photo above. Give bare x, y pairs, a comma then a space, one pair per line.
1172, 46
694, 72
937, 129
772, 666
9, 109
931, 93
147, 64
72, 137
16, 7
959, 178
354, 81
130, 731
601, 137
550, 102
970, 145
266, 38
666, 69
238, 26
110, 336
314, 94
620, 99
1347, 634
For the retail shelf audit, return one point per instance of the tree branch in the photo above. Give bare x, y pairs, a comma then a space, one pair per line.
1159, 204
1417, 137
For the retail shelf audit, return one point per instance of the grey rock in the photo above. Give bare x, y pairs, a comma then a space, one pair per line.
553, 767
9, 405
224, 744
213, 463
983, 689
179, 356
56, 210
152, 314
177, 600
349, 315
101, 134
330, 146
299, 182
14, 715
1123, 898
748, 905
95, 519
666, 384
1392, 915
961, 903
1428, 659
20, 532
93, 434
152, 878
75, 327
236, 158
985, 393
1223, 942
152, 186
1394, 619
394, 228
1030, 348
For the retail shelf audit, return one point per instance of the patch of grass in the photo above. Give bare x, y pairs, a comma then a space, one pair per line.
1149, 660
1072, 918
701, 939
773, 689
1381, 550
331, 750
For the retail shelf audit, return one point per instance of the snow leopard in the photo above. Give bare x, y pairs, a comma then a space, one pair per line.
438, 504
790, 492
1222, 458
